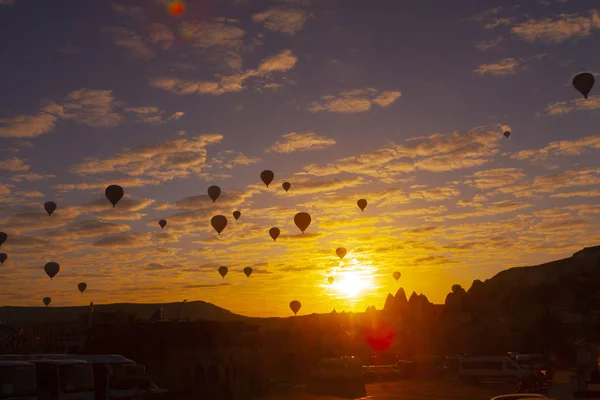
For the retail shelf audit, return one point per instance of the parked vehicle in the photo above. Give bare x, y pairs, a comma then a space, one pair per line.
17, 380
517, 396
64, 379
499, 368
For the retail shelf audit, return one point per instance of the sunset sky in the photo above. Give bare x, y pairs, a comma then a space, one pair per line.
401, 103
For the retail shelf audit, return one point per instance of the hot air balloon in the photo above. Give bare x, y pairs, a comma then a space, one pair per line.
341, 252
237, 215
3, 258
218, 222
302, 221
248, 271
330, 279
162, 223
362, 204
50, 207
52, 269
295, 306
267, 176
3, 237
396, 275
82, 286
214, 192
584, 83
286, 186
507, 134
114, 193
47, 301
223, 271
274, 232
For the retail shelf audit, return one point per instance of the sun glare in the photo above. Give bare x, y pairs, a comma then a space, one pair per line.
352, 283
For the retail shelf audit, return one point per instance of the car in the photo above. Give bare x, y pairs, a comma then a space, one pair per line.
517, 396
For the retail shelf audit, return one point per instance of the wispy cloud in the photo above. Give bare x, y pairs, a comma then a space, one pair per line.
506, 66
306, 141
493, 43
567, 107
559, 148
559, 29
354, 101
282, 19
136, 46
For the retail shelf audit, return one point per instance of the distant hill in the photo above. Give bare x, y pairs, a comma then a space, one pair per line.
193, 310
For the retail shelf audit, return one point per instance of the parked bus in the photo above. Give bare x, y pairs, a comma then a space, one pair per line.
64, 379
17, 380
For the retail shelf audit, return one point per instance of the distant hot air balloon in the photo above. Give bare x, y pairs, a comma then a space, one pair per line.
507, 134
3, 237
237, 215
50, 207
162, 223
82, 286
248, 271
330, 279
52, 269
47, 301
302, 221
341, 252
218, 222
584, 83
223, 271
274, 232
3, 258
295, 306
114, 193
267, 176
286, 186
214, 192
362, 204
396, 275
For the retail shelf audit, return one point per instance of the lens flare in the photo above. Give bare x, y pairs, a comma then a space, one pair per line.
176, 7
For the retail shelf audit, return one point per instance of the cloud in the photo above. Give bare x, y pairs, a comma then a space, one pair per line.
354, 101
565, 107
176, 115
281, 62
31, 177
306, 141
100, 186
494, 178
86, 229
160, 34
14, 164
175, 158
127, 38
434, 194
23, 126
583, 193
125, 240
229, 159
506, 66
29, 193
550, 183
282, 19
94, 108
559, 29
559, 148
152, 115
219, 33
493, 43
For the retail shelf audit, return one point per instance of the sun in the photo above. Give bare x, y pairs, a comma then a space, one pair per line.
352, 283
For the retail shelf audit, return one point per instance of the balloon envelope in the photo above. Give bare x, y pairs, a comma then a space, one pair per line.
267, 176
51, 269
162, 223
396, 275
3, 237
237, 215
50, 207
82, 286
3, 257
274, 232
214, 192
286, 186
302, 221
47, 301
223, 271
218, 222
507, 134
362, 204
584, 83
330, 279
341, 252
295, 306
114, 193
248, 271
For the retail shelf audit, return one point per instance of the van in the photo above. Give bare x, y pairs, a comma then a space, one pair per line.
64, 379
17, 380
501, 368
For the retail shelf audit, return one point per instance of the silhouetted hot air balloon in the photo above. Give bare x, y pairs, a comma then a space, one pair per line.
286, 186
3, 258
214, 192
248, 271
47, 301
218, 222
396, 275
341, 252
584, 83
302, 221
114, 193
362, 204
82, 286
162, 223
295, 306
52, 269
274, 232
50, 207
330, 279
267, 176
3, 237
507, 134
237, 215
223, 271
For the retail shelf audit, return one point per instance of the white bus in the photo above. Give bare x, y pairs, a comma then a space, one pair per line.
64, 379
17, 380
502, 368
